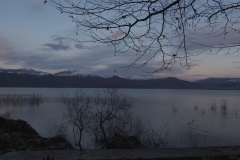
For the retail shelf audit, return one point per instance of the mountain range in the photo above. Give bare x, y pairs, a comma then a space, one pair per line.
27, 77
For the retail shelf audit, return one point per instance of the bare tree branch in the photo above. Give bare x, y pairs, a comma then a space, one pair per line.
163, 31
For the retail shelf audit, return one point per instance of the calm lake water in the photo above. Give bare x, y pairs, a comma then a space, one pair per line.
168, 109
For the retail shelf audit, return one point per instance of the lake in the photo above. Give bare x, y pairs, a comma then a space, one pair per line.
170, 110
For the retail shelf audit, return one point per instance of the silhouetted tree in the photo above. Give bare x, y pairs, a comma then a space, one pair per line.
113, 113
167, 31
78, 114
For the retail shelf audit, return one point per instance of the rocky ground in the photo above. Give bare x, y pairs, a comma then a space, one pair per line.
18, 135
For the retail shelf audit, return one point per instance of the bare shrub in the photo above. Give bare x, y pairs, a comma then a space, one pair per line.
108, 118
112, 113
61, 130
152, 138
78, 114
192, 134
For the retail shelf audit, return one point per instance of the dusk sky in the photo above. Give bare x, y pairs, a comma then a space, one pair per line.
35, 35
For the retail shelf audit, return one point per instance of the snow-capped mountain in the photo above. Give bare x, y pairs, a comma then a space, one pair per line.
29, 71
219, 80
220, 83
76, 73
23, 71
27, 77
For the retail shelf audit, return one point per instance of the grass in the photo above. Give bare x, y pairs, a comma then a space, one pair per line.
11, 102
213, 105
20, 99
224, 106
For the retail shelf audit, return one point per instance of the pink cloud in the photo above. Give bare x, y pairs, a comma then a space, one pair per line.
116, 34
5, 49
142, 38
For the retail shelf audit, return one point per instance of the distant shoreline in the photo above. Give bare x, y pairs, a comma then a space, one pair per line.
131, 88
28, 80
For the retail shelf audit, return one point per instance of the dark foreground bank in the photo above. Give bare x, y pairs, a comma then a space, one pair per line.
18, 135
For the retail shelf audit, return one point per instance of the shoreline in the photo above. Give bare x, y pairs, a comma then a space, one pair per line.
204, 153
18, 140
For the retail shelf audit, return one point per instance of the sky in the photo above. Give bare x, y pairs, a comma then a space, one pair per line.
36, 35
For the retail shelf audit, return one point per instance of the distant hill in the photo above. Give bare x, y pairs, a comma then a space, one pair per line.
220, 83
27, 77
81, 79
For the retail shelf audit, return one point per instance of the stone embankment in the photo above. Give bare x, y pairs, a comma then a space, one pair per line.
18, 135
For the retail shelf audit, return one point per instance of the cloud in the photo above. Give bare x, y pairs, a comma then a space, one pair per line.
58, 46
98, 67
203, 38
116, 34
80, 46
99, 60
197, 75
59, 38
